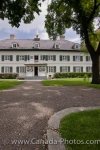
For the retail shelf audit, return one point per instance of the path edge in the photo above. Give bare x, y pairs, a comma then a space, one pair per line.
53, 137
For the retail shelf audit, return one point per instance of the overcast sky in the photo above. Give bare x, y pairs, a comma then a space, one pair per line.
29, 31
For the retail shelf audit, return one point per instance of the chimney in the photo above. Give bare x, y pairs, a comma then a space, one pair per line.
62, 37
37, 38
12, 37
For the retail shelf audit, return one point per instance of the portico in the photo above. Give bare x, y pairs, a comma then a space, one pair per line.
36, 70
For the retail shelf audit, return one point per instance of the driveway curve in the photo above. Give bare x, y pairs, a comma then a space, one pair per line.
25, 110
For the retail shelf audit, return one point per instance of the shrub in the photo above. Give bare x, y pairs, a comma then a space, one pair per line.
8, 76
72, 75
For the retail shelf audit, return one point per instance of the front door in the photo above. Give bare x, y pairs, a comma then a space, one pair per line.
35, 71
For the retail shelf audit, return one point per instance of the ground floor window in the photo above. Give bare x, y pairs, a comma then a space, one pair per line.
64, 69
20, 69
41, 68
51, 69
77, 69
6, 69
89, 69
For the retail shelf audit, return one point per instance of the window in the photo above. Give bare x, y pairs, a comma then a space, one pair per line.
65, 69
7, 58
36, 58
89, 69
77, 58
51, 69
14, 45
6, 69
64, 58
57, 46
76, 46
22, 57
77, 69
42, 69
20, 69
48, 57
36, 45
88, 58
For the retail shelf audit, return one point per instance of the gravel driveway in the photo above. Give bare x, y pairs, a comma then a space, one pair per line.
25, 110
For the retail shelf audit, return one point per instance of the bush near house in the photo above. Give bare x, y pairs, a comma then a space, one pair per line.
8, 76
72, 75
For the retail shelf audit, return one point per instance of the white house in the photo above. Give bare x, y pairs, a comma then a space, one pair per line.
42, 58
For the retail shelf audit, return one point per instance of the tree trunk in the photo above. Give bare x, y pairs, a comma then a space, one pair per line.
96, 69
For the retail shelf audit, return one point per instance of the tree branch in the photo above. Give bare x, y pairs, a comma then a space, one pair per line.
96, 5
98, 49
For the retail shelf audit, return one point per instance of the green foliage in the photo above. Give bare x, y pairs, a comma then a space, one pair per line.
8, 76
78, 14
18, 10
72, 75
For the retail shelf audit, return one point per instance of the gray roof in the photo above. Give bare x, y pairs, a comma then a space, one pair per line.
44, 44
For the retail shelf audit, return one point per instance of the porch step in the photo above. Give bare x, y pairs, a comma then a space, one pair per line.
36, 78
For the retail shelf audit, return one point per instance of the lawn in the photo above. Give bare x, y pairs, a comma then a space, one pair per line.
69, 82
81, 126
9, 84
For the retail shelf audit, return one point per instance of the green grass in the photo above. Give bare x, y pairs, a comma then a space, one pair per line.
81, 126
9, 84
69, 82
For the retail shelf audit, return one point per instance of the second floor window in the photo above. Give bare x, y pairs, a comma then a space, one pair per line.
22, 57
36, 58
48, 57
77, 58
64, 58
7, 57
88, 58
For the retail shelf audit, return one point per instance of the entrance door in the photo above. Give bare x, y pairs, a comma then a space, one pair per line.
35, 71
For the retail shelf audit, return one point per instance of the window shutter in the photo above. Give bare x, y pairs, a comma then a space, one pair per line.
68, 58
54, 68
46, 57
60, 57
86, 58
28, 57
81, 69
68, 69
81, 58
74, 70
2, 69
25, 57
73, 58
17, 58
17, 69
2, 57
54, 58
11, 58
11, 69
47, 69
60, 69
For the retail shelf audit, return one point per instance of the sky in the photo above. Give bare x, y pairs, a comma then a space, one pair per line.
28, 31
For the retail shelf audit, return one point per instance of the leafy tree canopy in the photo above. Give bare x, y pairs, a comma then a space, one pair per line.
17, 10
79, 14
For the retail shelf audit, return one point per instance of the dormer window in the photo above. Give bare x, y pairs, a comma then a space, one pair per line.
76, 46
57, 46
14, 45
36, 45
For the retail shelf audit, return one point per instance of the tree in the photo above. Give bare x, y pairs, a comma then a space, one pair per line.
80, 15
17, 10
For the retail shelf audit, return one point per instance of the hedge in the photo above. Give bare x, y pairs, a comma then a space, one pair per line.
8, 76
72, 75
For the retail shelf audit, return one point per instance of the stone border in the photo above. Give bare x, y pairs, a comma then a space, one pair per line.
53, 126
